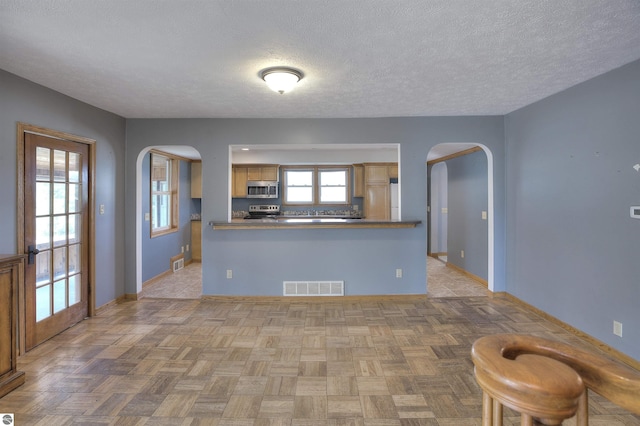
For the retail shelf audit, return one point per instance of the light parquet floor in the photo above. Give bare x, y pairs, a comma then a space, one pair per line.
366, 361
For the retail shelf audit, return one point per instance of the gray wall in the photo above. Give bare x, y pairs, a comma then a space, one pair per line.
365, 258
157, 252
24, 101
467, 199
438, 201
572, 248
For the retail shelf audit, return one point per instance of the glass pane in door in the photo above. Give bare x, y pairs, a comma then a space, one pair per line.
43, 302
59, 295
58, 230
75, 293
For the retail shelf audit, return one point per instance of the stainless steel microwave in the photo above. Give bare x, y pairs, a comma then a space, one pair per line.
262, 189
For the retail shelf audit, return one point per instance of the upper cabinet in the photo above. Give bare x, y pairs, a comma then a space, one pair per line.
262, 172
242, 173
358, 180
377, 199
196, 179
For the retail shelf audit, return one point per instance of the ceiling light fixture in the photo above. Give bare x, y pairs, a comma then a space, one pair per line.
281, 79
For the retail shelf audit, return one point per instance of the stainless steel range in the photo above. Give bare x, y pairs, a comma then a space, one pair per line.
263, 211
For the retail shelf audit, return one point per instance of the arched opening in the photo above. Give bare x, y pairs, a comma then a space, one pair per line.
439, 223
165, 260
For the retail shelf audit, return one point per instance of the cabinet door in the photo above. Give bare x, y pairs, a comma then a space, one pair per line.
254, 173
377, 204
196, 180
269, 173
196, 241
239, 182
376, 174
358, 180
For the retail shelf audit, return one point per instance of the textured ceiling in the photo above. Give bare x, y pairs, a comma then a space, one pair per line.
361, 58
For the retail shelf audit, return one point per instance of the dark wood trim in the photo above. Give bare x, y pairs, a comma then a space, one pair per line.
452, 156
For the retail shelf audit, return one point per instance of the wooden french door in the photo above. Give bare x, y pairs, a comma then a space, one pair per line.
56, 235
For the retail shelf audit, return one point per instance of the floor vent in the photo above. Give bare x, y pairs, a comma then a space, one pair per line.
313, 288
178, 264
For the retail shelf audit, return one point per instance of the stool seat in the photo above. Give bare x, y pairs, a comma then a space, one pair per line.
545, 389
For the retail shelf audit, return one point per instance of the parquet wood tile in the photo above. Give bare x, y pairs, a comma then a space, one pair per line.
399, 361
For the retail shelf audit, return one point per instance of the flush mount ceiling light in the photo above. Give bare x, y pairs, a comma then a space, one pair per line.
281, 79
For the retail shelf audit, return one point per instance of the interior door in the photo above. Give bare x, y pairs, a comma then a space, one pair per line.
56, 213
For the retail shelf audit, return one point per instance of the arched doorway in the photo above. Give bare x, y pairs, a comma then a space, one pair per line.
448, 152
165, 250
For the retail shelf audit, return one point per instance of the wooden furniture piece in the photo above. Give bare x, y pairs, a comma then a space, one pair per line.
196, 179
358, 180
11, 278
196, 241
493, 355
377, 199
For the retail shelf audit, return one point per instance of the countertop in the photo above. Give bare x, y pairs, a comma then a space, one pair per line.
310, 222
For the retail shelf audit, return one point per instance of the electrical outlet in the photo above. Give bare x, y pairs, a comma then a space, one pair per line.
229, 274
146, 217
187, 247
617, 328
101, 208
398, 273
462, 254
182, 248
484, 215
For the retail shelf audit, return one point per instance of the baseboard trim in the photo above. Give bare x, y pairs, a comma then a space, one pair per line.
116, 301
614, 353
437, 255
468, 274
157, 278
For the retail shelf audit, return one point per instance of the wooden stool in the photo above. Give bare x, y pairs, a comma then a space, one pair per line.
543, 390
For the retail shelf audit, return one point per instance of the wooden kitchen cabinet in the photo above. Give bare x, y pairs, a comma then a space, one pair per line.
377, 205
196, 179
377, 197
358, 180
266, 172
239, 182
376, 173
243, 173
11, 278
269, 173
196, 241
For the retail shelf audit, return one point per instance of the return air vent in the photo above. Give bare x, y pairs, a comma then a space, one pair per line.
313, 288
178, 264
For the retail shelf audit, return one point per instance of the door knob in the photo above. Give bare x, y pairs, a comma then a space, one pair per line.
32, 254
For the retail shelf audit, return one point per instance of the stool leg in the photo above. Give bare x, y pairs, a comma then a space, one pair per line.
526, 420
582, 415
487, 409
497, 413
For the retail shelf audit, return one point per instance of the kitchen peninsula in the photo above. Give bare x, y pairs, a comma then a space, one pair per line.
311, 223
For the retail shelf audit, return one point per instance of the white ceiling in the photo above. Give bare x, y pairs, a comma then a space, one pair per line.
361, 58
